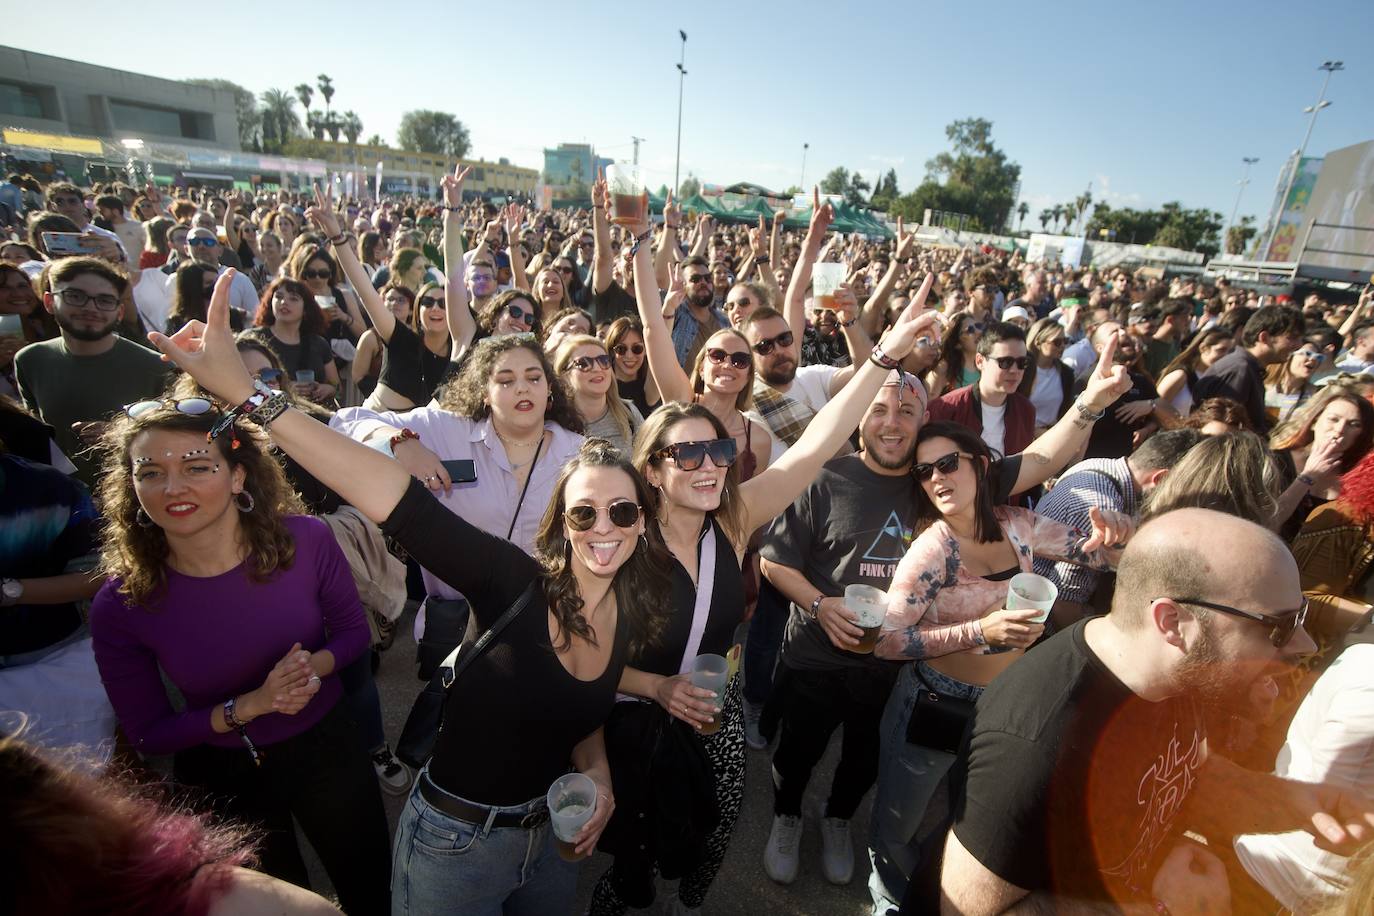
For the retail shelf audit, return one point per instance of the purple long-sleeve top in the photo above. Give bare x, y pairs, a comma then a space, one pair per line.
218, 637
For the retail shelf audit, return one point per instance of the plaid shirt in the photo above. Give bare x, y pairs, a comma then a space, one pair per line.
786, 417
1104, 483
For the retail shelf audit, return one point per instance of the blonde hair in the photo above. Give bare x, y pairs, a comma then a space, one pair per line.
1358, 899
1234, 473
562, 361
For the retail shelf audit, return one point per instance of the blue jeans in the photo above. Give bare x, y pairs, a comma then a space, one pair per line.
765, 641
443, 865
908, 778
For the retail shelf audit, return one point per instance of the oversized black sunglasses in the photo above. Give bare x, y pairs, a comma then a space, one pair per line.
689, 456
765, 346
738, 360
1006, 362
1282, 625
945, 464
585, 363
622, 349
622, 514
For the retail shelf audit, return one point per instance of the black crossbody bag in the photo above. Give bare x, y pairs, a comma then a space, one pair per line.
426, 717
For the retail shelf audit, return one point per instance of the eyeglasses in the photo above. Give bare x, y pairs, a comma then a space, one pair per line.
315, 275
77, 299
431, 302
622, 349
622, 514
688, 456
202, 242
1006, 362
719, 356
1056, 341
586, 363
699, 278
192, 407
765, 346
945, 464
1312, 356
1284, 624
518, 314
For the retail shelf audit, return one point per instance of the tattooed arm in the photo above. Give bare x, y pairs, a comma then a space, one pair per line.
930, 565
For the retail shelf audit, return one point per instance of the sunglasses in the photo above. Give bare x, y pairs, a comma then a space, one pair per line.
201, 241
192, 407
765, 346
688, 456
974, 327
1284, 624
315, 275
622, 514
719, 356
1006, 362
565, 270
430, 302
518, 314
622, 349
741, 303
945, 464
586, 363
1312, 356
699, 278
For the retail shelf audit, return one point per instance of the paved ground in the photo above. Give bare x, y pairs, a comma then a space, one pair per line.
741, 886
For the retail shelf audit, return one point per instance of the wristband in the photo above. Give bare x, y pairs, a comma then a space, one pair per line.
1307, 479
816, 605
880, 359
849, 323
338, 239
762, 259
451, 209
233, 721
1088, 413
403, 435
640, 240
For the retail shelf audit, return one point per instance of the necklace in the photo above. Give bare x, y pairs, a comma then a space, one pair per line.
529, 444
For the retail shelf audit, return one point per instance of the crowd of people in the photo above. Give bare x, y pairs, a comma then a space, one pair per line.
240, 431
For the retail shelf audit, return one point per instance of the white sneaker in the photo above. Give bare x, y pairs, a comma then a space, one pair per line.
781, 856
391, 773
837, 850
752, 735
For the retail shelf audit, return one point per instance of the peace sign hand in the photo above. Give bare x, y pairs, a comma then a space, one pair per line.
453, 185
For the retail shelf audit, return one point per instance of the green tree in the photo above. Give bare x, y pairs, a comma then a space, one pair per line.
279, 121
245, 107
885, 192
306, 93
792, 191
326, 89
425, 131
662, 191
352, 126
1022, 209
690, 185
850, 185
315, 122
376, 140
1045, 217
975, 178
334, 125
1239, 235
1171, 225
836, 181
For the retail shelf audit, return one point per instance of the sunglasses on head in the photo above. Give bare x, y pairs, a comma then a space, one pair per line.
945, 464
1283, 624
622, 349
314, 275
688, 456
622, 514
1007, 362
192, 407
765, 346
586, 363
719, 356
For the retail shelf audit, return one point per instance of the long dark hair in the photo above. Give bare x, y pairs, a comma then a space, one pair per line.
641, 585
465, 394
653, 438
188, 294
987, 529
616, 334
312, 319
952, 352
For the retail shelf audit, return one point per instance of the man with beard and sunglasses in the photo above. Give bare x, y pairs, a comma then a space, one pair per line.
1089, 758
698, 317
87, 373
991, 406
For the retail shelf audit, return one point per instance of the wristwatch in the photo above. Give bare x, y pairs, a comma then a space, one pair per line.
11, 590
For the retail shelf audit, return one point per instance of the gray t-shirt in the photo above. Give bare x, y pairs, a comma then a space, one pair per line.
852, 526
606, 428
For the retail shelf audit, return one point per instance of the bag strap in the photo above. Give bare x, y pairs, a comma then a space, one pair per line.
528, 477
449, 671
701, 610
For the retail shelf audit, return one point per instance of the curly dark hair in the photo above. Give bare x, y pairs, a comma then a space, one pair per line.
465, 395
492, 313
312, 319
137, 556
642, 590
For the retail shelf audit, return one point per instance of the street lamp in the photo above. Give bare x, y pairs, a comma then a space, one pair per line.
681, 78
802, 183
1245, 180
1330, 66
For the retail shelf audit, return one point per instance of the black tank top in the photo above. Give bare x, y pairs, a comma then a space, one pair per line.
410, 368
725, 613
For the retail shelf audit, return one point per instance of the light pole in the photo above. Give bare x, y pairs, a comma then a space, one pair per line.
681, 78
805, 147
1245, 180
1330, 66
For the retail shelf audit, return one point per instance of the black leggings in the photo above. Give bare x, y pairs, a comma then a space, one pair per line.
324, 778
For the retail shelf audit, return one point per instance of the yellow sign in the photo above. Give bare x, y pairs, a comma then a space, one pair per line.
54, 142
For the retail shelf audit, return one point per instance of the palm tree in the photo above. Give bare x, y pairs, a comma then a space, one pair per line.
352, 126
305, 92
1058, 212
1045, 217
1070, 213
1021, 210
279, 114
314, 122
326, 89
333, 124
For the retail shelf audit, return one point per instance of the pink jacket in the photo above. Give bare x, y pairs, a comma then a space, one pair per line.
935, 606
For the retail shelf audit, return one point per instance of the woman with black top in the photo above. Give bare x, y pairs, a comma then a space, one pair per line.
191, 290
625, 341
343, 319
706, 516
416, 356
474, 835
289, 321
367, 362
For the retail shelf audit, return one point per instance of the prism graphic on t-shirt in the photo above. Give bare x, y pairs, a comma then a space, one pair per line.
889, 546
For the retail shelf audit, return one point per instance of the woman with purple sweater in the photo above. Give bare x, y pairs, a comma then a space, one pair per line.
220, 581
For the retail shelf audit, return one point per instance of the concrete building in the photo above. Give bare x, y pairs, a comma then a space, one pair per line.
56, 95
405, 172
571, 163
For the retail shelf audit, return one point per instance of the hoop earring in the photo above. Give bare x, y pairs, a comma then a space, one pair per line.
142, 518
239, 498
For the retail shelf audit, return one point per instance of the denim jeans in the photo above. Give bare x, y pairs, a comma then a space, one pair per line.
908, 777
443, 865
765, 641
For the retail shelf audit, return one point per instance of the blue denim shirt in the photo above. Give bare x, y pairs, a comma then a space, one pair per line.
685, 330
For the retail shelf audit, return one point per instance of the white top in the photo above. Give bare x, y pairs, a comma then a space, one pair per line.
995, 427
1331, 740
1046, 394
812, 385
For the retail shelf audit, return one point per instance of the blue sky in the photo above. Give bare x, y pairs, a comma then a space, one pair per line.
1148, 102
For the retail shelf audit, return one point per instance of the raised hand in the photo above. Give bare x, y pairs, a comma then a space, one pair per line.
672, 213
1108, 381
1111, 529
205, 350
453, 185
600, 192
914, 321
758, 239
513, 216
821, 218
905, 242
323, 214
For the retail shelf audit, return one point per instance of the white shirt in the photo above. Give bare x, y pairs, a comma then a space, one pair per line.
1330, 740
810, 386
1046, 394
995, 427
1081, 357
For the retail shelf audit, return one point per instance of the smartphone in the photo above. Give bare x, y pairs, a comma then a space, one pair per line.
11, 326
461, 470
64, 243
